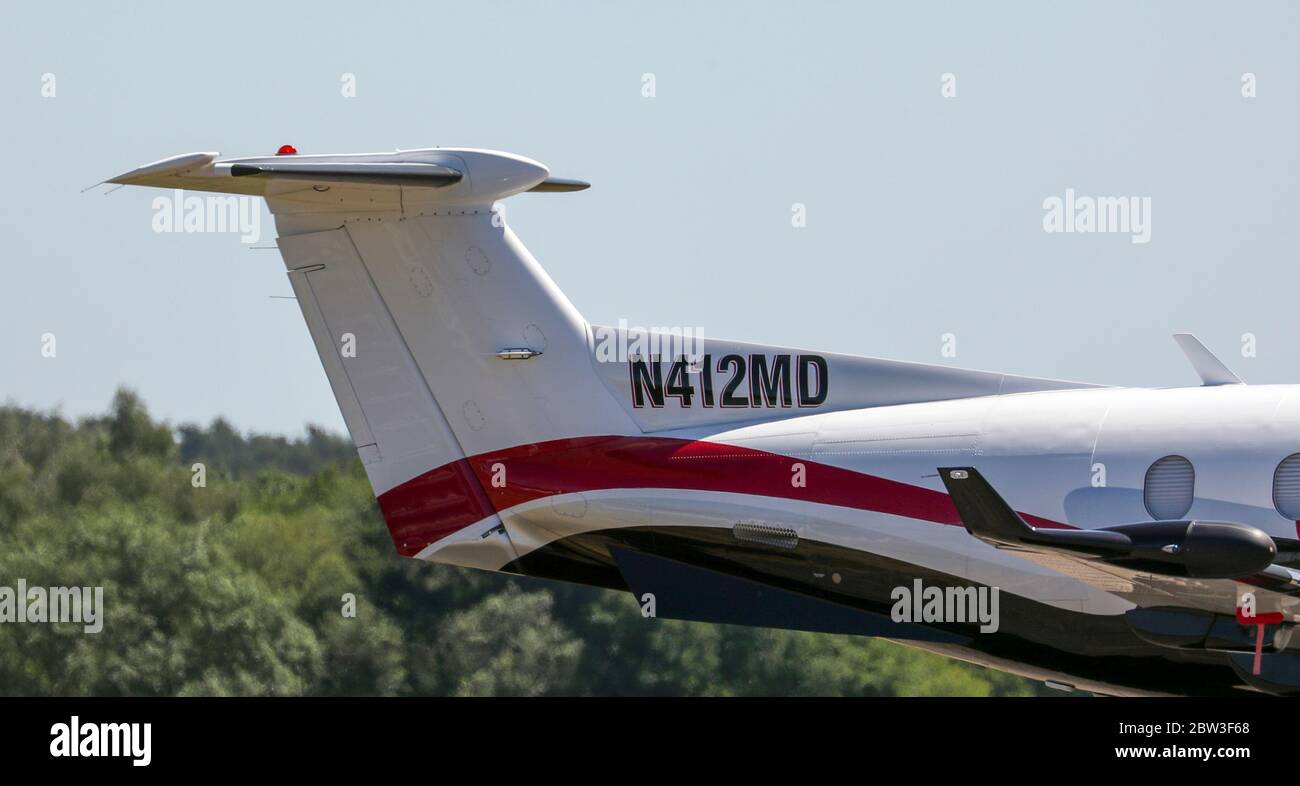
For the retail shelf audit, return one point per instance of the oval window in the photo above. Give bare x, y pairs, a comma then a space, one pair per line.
1286, 487
1169, 488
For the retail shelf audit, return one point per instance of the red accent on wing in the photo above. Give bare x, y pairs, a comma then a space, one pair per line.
442, 501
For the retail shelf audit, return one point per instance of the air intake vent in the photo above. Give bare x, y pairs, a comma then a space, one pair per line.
766, 534
1286, 487
1170, 486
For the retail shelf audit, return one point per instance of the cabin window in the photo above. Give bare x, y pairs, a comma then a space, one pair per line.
1286, 487
1169, 488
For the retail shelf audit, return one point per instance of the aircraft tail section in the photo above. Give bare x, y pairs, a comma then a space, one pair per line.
444, 340
441, 336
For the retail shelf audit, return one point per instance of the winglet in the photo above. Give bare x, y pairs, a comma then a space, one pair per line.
987, 516
1211, 370
982, 510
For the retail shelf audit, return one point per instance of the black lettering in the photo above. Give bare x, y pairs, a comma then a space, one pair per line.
706, 380
764, 385
647, 379
810, 365
729, 397
679, 382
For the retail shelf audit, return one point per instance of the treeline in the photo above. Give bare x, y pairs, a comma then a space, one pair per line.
237, 588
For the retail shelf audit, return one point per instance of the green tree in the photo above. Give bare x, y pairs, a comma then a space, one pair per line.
236, 588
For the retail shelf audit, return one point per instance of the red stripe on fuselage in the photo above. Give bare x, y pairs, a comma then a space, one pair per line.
430, 507
440, 502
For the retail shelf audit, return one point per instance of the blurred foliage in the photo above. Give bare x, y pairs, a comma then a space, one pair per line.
236, 588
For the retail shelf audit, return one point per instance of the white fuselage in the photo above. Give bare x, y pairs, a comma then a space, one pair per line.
1076, 457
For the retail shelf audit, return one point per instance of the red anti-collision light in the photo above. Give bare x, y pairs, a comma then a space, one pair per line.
287, 150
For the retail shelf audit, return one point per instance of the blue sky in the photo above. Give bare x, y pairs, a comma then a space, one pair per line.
924, 213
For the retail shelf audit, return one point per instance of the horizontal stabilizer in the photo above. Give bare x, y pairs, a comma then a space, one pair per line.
435, 177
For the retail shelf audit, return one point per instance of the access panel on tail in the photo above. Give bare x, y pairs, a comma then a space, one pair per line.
444, 340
